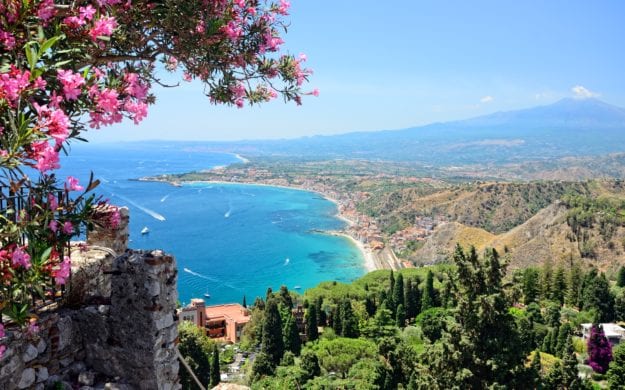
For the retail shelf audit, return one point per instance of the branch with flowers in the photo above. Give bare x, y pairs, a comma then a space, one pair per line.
68, 66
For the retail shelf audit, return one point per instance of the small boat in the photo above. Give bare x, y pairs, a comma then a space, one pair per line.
145, 230
297, 287
207, 295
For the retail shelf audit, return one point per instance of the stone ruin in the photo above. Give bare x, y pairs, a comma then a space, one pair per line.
115, 329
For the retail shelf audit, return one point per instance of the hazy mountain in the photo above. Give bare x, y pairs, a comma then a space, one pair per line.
569, 127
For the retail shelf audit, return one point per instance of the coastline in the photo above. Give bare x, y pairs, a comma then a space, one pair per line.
371, 262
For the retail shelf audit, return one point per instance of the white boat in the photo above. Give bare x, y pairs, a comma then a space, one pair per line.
206, 294
297, 287
145, 230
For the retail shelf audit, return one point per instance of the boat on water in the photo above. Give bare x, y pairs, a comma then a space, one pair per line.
297, 287
145, 230
207, 295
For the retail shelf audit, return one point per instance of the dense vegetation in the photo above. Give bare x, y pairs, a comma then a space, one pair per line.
465, 325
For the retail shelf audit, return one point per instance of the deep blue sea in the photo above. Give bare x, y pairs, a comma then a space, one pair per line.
229, 240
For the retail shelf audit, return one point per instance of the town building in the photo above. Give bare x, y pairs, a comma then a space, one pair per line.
220, 322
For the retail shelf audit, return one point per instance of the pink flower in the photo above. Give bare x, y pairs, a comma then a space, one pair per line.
72, 184
62, 273
55, 121
186, 76
283, 9
171, 63
232, 31
114, 218
47, 157
46, 10
137, 110
52, 202
20, 258
53, 225
68, 228
103, 27
315, 92
87, 12
71, 83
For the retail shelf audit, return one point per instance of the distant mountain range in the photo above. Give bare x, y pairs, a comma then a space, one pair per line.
569, 127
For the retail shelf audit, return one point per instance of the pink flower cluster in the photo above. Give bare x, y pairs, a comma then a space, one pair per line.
71, 82
20, 258
62, 272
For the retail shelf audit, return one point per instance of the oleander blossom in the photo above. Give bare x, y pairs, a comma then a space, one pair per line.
72, 184
20, 258
62, 272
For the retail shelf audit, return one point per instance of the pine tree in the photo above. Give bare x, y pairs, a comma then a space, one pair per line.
558, 286
427, 299
349, 323
616, 372
310, 366
599, 350
482, 314
292, 342
569, 365
215, 370
312, 332
272, 343
620, 277
400, 317
597, 295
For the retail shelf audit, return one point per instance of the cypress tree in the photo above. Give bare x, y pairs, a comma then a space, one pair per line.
337, 319
370, 306
564, 334
272, 343
558, 286
244, 302
285, 297
620, 277
390, 303
400, 317
535, 370
530, 285
570, 379
411, 299
616, 372
215, 370
310, 366
268, 294
427, 299
619, 306
349, 323
546, 279
398, 292
259, 303
321, 314
312, 333
292, 342
574, 286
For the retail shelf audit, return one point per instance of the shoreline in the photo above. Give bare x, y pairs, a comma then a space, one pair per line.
371, 261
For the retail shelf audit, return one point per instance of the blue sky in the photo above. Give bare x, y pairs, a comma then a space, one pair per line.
390, 65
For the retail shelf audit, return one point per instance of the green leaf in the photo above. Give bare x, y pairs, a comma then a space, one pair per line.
46, 254
48, 44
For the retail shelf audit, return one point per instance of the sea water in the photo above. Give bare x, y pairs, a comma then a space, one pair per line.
229, 240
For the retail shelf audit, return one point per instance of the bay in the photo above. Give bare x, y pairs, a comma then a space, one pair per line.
229, 240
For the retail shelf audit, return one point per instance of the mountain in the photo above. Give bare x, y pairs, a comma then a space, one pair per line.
569, 127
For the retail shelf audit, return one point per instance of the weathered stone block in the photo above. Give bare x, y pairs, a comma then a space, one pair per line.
30, 353
27, 378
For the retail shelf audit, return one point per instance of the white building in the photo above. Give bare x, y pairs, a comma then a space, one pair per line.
613, 332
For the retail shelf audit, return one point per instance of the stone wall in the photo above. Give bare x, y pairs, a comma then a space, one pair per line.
117, 330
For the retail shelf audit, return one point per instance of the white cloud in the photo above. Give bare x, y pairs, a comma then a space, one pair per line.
580, 92
487, 99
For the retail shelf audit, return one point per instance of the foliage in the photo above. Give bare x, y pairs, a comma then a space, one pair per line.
620, 277
292, 341
599, 350
616, 371
272, 342
215, 373
197, 349
340, 354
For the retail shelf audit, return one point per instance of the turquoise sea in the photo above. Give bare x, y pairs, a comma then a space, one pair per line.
229, 240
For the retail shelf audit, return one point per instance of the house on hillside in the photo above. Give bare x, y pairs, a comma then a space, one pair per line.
221, 322
613, 332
